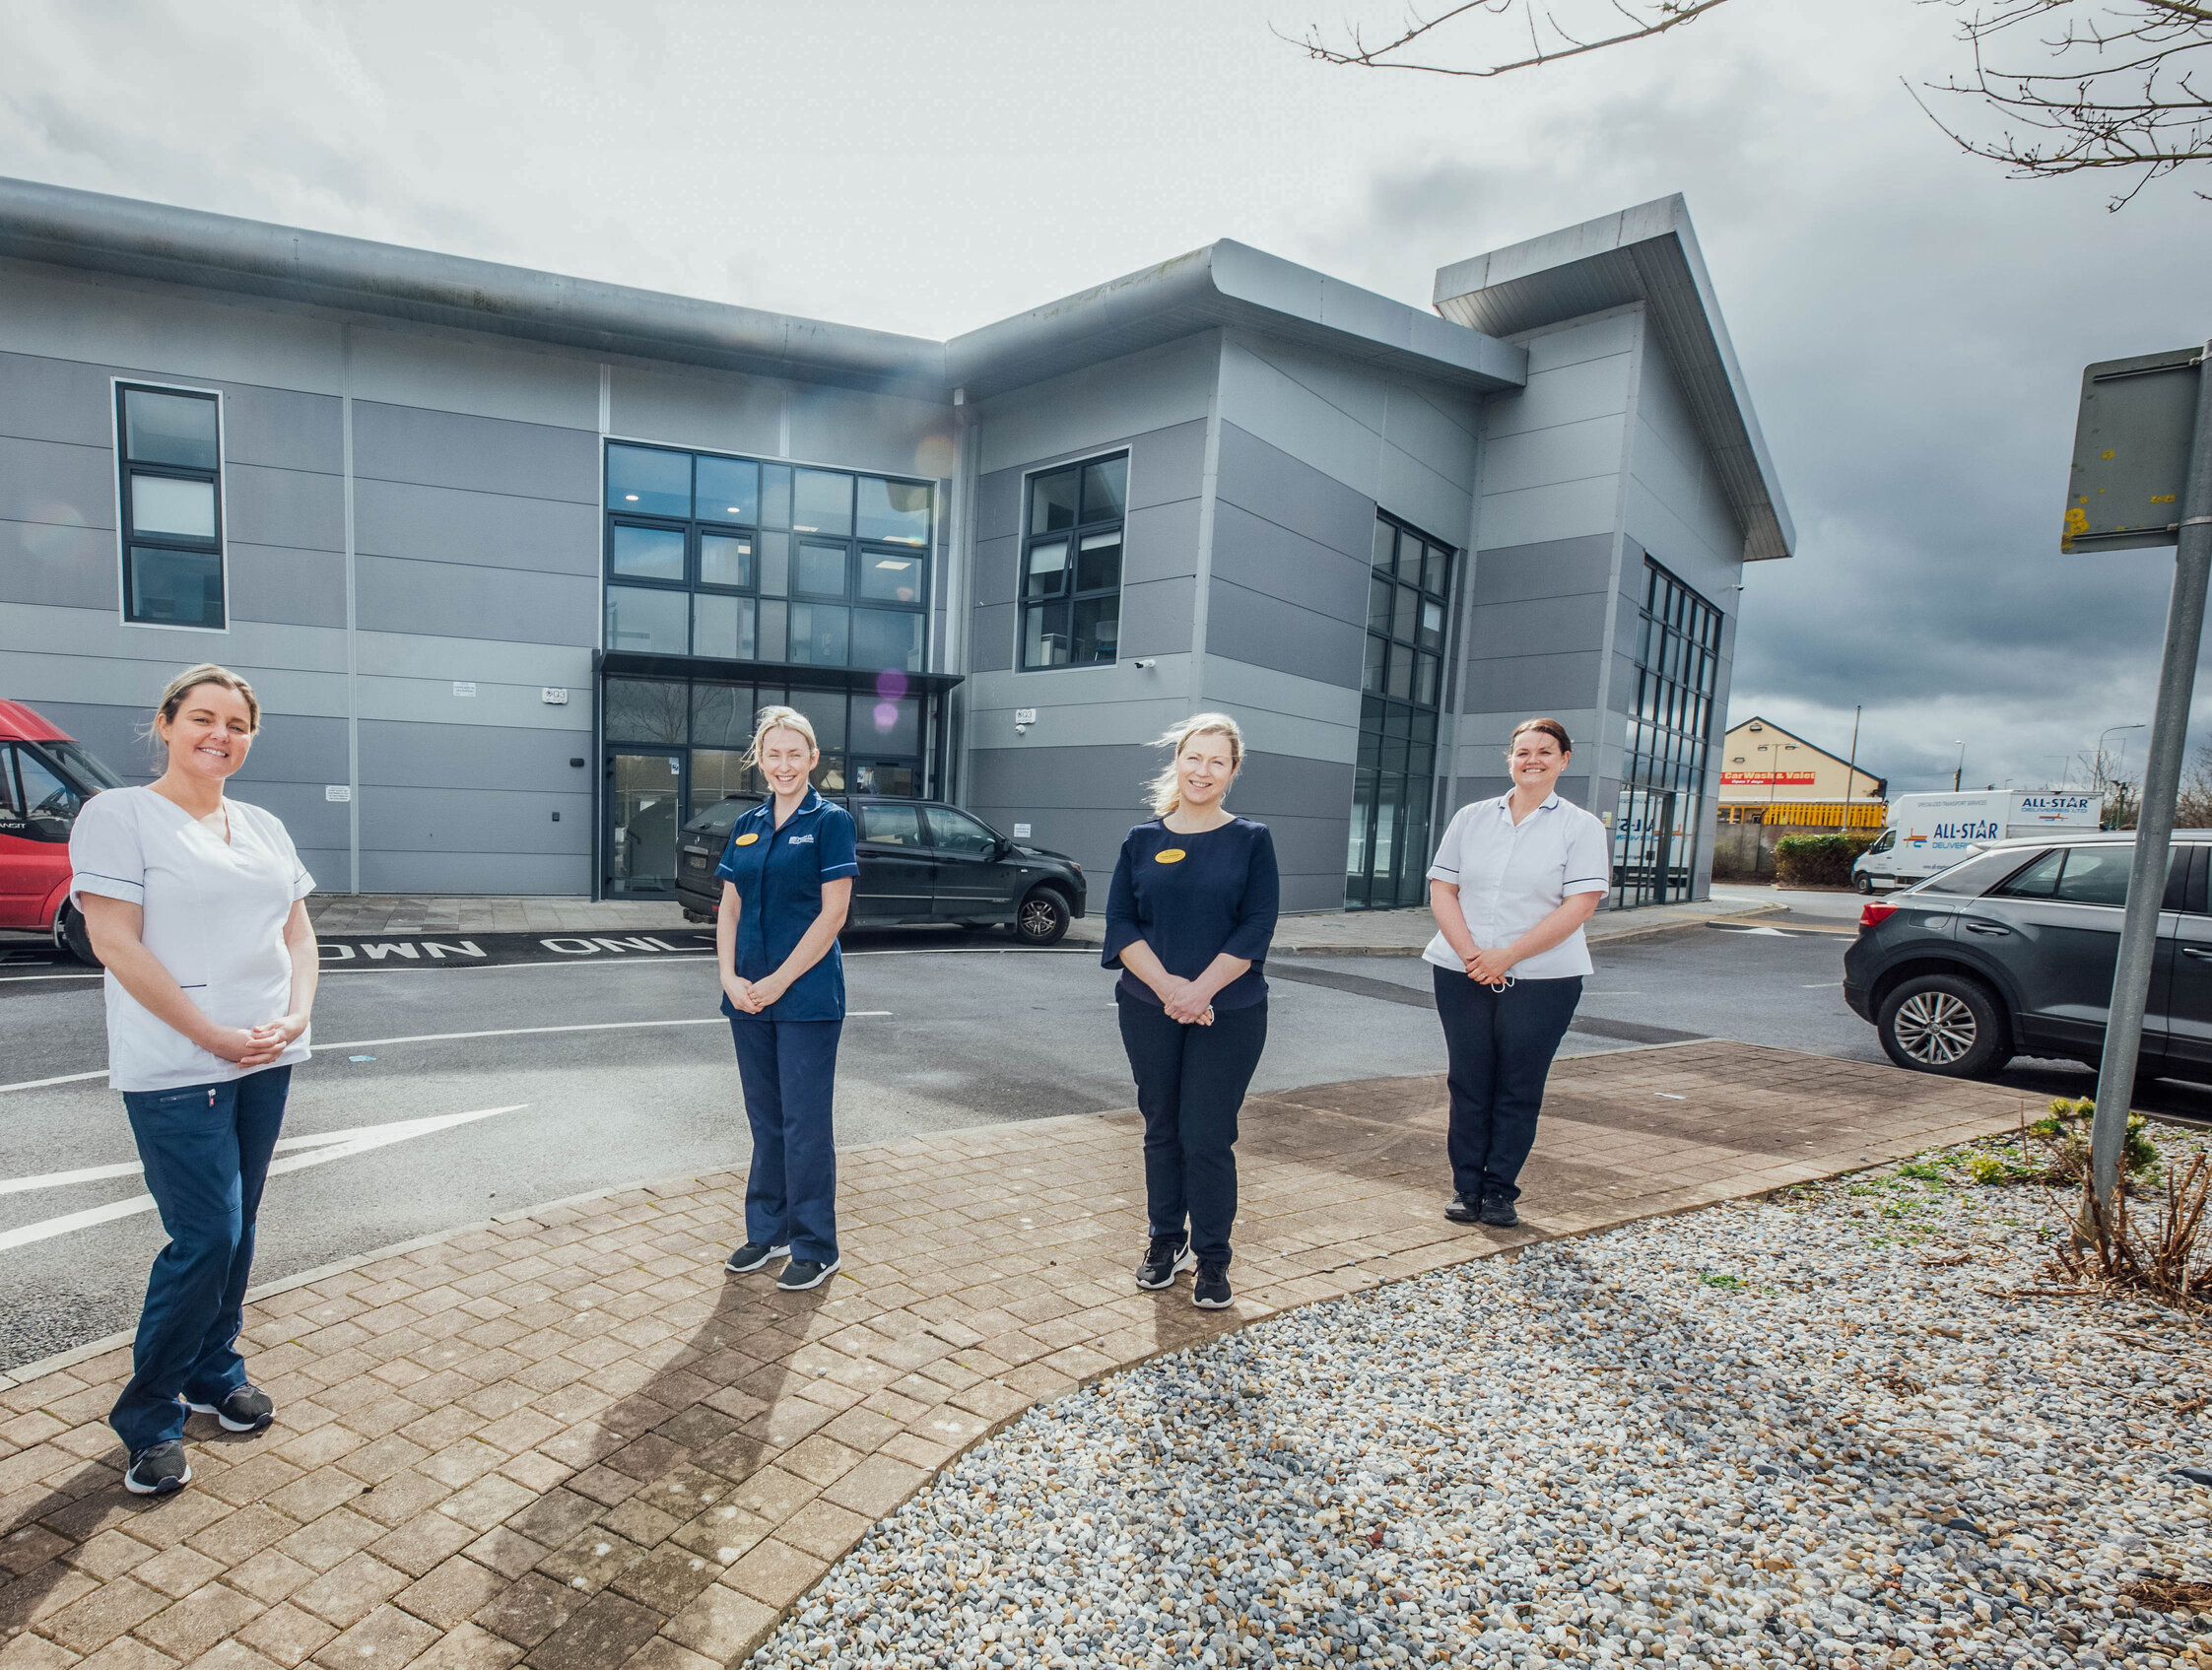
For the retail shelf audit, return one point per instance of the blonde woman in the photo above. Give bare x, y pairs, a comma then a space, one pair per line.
194, 905
1188, 921
787, 889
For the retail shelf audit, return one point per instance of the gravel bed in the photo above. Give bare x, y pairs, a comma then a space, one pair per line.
1821, 1431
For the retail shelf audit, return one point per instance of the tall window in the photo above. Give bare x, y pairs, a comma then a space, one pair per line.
1409, 592
1670, 726
1071, 564
171, 465
740, 559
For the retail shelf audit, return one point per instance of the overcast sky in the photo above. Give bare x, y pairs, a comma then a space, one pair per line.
1913, 324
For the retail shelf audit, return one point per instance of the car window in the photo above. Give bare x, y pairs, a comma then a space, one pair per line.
1974, 876
2039, 880
89, 768
1888, 841
2096, 875
11, 805
48, 803
957, 831
722, 817
890, 826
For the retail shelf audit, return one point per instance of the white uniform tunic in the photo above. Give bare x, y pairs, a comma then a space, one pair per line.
215, 915
1510, 877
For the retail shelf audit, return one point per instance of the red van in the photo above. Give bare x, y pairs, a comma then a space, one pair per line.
44, 776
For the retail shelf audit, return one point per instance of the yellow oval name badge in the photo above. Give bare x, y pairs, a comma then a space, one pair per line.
748, 839
1167, 855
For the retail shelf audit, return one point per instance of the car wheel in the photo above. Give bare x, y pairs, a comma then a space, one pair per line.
1863, 882
1944, 1024
70, 935
1042, 918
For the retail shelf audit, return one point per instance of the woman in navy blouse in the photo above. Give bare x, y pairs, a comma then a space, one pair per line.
786, 887
1188, 921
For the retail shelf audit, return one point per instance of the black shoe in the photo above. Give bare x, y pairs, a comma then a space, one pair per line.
160, 1469
1463, 1211
1498, 1211
243, 1409
1162, 1258
1210, 1292
804, 1273
751, 1256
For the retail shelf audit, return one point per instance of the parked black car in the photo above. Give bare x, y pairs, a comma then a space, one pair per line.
2011, 952
920, 861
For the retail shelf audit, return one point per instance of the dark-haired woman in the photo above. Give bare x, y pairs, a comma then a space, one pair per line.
1512, 883
194, 902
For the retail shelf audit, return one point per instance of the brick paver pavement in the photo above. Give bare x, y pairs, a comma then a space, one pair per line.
569, 1440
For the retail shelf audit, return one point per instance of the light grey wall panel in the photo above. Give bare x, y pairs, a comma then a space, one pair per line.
991, 639
1161, 541
1264, 556
678, 406
1533, 683
491, 757
1100, 406
310, 818
998, 505
454, 600
1559, 567
487, 529
1080, 801
47, 399
302, 588
1156, 616
283, 428
1248, 626
484, 454
67, 566
1542, 625
265, 507
45, 481
470, 372
996, 563
857, 430
1270, 483
1168, 465
549, 874
482, 821
296, 748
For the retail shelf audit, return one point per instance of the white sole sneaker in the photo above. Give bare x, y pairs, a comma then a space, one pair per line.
136, 1489
1185, 1260
736, 1269
827, 1270
225, 1421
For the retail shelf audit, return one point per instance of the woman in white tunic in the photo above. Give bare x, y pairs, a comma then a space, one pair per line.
194, 905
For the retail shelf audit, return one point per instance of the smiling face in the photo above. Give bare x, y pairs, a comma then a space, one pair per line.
1205, 765
210, 735
1536, 760
786, 760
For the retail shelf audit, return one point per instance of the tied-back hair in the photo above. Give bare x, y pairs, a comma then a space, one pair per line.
1550, 727
777, 719
1162, 789
174, 692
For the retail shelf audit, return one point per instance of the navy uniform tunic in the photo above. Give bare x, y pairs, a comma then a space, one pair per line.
1192, 898
779, 875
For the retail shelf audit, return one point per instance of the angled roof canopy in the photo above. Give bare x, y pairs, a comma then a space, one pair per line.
1648, 254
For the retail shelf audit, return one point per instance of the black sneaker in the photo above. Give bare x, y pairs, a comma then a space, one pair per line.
244, 1409
751, 1256
804, 1273
1162, 1258
1463, 1211
1210, 1292
160, 1469
1498, 1211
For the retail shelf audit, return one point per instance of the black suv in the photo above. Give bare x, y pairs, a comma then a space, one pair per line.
2011, 952
920, 861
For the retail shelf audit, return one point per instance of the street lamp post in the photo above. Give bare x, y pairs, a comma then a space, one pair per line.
1958, 771
2100, 754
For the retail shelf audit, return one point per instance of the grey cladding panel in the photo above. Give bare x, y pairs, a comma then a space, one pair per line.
42, 481
474, 821
1107, 779
43, 399
300, 589
998, 505
1270, 633
448, 600
469, 757
563, 875
308, 818
111, 732
1542, 625
284, 429
1168, 465
61, 566
296, 748
1553, 568
1156, 619
1290, 785
483, 455
440, 525
1161, 540
1270, 483
1312, 893
997, 562
1530, 683
991, 646
1267, 558
265, 507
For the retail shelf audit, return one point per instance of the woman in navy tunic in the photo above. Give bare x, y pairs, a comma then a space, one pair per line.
786, 888
1188, 921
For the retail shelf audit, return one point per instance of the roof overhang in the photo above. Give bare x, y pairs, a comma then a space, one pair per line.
1228, 284
155, 241
1648, 255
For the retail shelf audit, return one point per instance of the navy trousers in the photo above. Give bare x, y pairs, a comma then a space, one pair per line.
206, 1152
789, 1069
1500, 1044
1190, 1084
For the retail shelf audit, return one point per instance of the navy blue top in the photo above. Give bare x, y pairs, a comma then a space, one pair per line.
779, 873
1192, 898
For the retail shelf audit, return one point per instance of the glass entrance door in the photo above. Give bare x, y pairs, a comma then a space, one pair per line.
645, 801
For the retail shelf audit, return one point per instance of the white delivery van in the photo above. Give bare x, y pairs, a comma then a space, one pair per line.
1928, 833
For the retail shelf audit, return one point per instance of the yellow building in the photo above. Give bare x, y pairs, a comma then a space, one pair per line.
1769, 775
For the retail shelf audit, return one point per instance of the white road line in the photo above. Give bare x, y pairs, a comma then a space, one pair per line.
16, 979
339, 1145
100, 1173
1820, 985
448, 1038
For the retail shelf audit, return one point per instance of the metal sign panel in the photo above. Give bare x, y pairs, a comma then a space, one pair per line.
2131, 451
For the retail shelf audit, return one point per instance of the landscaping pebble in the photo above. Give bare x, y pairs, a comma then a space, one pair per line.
1837, 1429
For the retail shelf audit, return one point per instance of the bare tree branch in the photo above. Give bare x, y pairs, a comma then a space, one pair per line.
1644, 18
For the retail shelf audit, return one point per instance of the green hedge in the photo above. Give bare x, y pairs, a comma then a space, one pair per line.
1822, 861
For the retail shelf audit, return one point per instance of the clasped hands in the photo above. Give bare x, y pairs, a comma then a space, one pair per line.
1494, 967
751, 996
1185, 1002
256, 1047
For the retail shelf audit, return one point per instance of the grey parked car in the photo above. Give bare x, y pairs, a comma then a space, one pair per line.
2011, 952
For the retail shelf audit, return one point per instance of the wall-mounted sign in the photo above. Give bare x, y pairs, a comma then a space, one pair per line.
1782, 780
553, 695
340, 793
460, 689
1021, 832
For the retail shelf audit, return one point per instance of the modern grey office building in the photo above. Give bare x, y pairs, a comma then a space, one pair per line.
512, 557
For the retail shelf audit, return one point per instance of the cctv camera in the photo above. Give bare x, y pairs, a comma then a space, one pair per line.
1143, 663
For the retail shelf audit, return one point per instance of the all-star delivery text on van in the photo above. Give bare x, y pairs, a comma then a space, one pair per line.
1928, 833
44, 776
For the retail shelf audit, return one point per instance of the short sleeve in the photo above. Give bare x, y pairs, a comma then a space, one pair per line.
1589, 866
1257, 908
105, 857
1446, 866
303, 883
1122, 929
835, 844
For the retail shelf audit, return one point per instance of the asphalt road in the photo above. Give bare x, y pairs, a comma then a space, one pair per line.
591, 1070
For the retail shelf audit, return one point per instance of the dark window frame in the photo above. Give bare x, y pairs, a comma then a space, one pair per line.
1399, 747
1070, 597
127, 535
1670, 734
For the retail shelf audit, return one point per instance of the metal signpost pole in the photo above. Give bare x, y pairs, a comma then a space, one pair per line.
2161, 776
